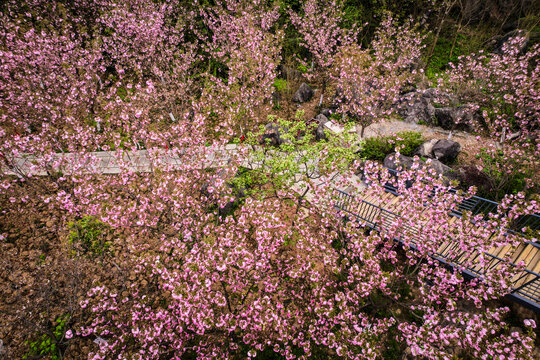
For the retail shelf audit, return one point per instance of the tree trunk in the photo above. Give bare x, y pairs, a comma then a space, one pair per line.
446, 12
455, 38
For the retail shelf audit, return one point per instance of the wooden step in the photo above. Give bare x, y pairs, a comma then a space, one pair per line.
522, 253
532, 265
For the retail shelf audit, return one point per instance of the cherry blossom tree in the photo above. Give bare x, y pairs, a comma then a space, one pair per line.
503, 87
500, 91
244, 39
320, 24
251, 252
369, 81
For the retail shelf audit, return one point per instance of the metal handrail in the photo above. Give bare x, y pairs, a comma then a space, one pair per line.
479, 205
516, 294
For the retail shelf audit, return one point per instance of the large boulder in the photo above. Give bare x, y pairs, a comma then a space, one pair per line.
405, 162
455, 118
326, 112
274, 135
445, 170
426, 149
445, 118
319, 133
446, 150
416, 108
470, 175
303, 94
397, 163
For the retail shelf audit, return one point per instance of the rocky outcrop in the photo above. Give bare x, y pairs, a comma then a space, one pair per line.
442, 150
274, 135
455, 118
426, 149
405, 162
416, 108
470, 175
326, 112
397, 163
319, 133
446, 150
303, 94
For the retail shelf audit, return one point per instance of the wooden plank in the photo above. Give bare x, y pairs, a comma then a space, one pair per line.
536, 268
501, 251
533, 264
535, 261
468, 257
444, 247
521, 253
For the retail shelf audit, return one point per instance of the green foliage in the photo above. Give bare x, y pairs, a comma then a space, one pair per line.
247, 178
507, 175
280, 84
47, 343
302, 68
455, 42
392, 349
442, 55
298, 156
377, 148
87, 236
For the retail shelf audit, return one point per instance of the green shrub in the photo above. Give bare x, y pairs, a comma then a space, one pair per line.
377, 148
87, 236
507, 175
280, 84
47, 343
302, 68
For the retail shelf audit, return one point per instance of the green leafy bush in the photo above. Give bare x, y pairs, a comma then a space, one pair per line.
280, 84
47, 343
506, 174
87, 236
377, 148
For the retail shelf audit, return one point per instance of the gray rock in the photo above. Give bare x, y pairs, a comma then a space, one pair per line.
405, 162
456, 118
447, 172
397, 163
274, 135
269, 139
470, 175
465, 118
440, 168
415, 108
426, 149
445, 118
326, 112
319, 134
303, 94
446, 150
430, 93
